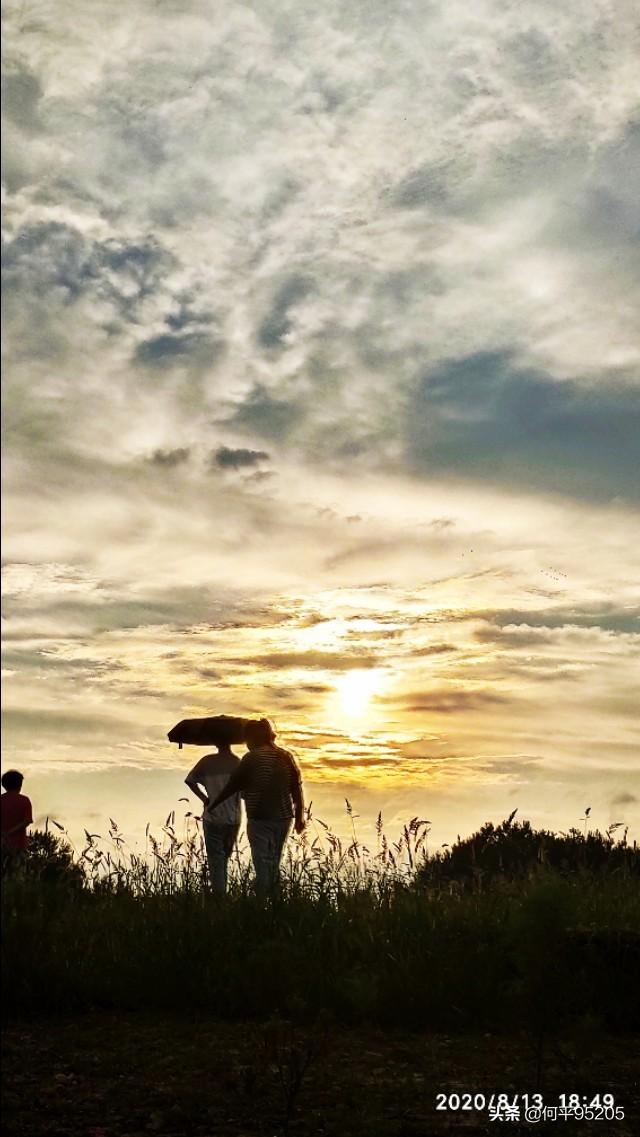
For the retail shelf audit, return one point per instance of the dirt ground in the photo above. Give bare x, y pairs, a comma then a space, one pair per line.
131, 1075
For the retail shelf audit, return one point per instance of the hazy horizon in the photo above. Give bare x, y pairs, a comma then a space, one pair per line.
322, 401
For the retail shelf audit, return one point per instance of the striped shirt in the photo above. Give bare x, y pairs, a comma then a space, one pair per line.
269, 780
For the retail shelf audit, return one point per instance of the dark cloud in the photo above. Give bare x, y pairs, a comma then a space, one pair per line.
371, 636
278, 322
237, 459
333, 762
329, 660
438, 649
259, 477
188, 313
267, 415
168, 347
624, 798
521, 636
434, 184
54, 260
178, 606
39, 723
190, 335
608, 617
21, 93
169, 458
51, 662
449, 702
482, 416
50, 266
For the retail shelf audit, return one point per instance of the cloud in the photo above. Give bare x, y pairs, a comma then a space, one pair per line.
448, 702
59, 262
170, 458
21, 94
624, 798
313, 660
266, 415
530, 626
229, 459
207, 672
99, 610
39, 723
164, 349
74, 668
278, 323
483, 416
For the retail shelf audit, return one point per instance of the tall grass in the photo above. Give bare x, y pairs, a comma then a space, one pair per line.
375, 935
319, 863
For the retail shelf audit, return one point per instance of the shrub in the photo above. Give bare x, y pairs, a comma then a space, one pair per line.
52, 860
512, 851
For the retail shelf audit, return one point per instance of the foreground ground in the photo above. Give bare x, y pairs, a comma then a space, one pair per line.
133, 1075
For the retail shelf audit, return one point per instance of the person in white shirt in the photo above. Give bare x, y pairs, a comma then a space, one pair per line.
207, 779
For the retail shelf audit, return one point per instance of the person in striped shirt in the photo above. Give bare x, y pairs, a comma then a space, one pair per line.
269, 780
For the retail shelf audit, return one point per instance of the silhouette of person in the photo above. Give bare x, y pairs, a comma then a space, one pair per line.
16, 816
220, 822
269, 780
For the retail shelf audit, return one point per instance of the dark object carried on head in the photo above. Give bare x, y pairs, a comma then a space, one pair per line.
220, 730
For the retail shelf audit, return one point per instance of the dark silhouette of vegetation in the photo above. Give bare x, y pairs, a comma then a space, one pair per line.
52, 860
514, 850
493, 935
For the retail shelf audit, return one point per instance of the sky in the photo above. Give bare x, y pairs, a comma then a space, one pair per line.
322, 401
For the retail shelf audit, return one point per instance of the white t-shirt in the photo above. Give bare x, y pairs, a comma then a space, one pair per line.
212, 773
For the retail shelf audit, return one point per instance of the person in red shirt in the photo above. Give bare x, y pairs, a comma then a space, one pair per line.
16, 816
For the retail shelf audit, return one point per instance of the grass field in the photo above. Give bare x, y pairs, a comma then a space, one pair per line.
373, 979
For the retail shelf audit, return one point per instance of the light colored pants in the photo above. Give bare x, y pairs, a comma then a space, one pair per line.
219, 841
267, 839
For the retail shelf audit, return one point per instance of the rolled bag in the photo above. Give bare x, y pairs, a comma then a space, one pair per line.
217, 730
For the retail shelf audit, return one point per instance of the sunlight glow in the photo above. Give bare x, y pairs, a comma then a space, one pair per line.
357, 688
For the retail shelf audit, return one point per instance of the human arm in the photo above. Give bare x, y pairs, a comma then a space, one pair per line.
195, 789
193, 781
297, 798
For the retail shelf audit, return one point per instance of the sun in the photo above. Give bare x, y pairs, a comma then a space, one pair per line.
356, 689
